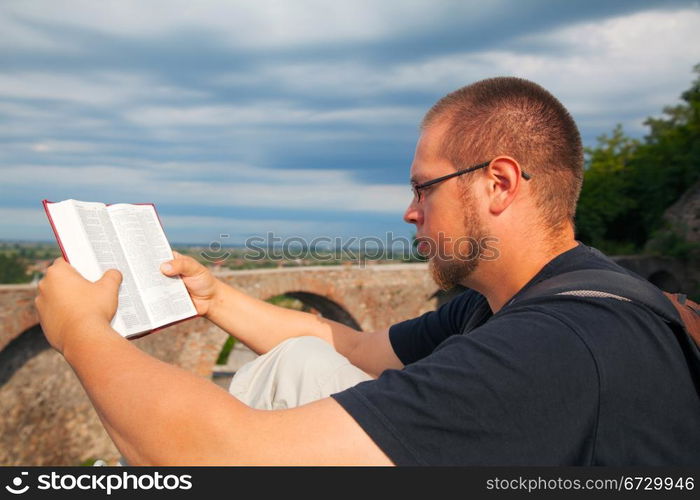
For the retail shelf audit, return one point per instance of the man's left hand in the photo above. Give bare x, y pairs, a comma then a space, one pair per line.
70, 307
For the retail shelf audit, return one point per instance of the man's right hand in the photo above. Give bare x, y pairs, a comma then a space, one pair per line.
261, 326
200, 282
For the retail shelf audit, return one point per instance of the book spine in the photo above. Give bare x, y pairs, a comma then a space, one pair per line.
45, 204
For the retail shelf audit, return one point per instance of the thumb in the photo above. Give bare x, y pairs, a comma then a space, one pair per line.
112, 278
172, 267
167, 268
182, 265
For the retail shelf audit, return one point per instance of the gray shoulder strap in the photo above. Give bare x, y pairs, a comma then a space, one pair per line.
604, 284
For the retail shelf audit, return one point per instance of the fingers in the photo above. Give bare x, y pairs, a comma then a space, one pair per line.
59, 267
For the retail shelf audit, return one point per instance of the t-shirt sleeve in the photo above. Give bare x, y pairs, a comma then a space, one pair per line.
521, 389
418, 337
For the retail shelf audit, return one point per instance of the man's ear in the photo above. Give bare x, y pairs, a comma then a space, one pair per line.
504, 177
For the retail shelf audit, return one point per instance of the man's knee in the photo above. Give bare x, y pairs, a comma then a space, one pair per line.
309, 356
297, 371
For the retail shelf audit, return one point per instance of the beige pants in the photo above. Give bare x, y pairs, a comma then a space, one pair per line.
297, 371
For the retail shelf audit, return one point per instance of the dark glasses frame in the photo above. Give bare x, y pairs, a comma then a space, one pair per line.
418, 187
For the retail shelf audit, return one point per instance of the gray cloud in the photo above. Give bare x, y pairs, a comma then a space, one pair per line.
275, 110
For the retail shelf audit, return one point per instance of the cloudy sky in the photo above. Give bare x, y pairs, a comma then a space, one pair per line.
295, 117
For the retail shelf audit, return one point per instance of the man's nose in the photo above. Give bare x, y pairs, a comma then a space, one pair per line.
412, 215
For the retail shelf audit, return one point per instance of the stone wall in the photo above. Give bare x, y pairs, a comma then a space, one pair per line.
684, 215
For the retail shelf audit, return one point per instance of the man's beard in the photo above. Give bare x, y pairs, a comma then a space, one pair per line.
450, 271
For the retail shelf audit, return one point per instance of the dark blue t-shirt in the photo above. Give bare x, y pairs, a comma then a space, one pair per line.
572, 381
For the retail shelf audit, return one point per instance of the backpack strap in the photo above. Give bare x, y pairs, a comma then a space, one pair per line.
605, 284
601, 283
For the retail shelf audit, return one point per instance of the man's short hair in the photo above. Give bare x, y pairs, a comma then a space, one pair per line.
518, 118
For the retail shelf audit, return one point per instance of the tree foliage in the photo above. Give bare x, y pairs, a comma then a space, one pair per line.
13, 269
628, 184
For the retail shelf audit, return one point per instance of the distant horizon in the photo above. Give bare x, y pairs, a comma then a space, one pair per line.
173, 244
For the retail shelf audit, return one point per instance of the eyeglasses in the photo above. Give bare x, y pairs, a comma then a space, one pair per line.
417, 188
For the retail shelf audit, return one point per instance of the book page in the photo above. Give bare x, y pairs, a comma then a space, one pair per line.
145, 247
73, 238
131, 316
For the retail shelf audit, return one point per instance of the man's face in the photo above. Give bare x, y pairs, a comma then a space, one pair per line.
447, 220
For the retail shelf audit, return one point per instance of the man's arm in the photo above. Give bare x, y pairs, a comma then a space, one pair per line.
261, 325
159, 414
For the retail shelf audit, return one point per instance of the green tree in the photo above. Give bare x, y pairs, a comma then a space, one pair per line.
605, 196
669, 161
629, 184
13, 269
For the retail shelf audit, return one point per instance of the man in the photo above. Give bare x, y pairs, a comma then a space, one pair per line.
480, 381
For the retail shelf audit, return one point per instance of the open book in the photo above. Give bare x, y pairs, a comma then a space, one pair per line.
95, 237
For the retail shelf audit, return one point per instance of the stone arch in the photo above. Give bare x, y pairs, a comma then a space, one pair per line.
17, 311
47, 417
327, 307
20, 350
665, 280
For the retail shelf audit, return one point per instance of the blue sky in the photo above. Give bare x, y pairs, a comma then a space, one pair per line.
293, 117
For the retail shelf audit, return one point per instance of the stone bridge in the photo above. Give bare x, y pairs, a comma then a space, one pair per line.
365, 298
47, 419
